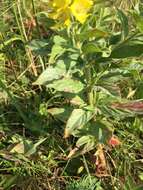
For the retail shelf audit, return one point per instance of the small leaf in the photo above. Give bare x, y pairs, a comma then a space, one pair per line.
57, 51
126, 51
59, 40
2, 57
131, 93
49, 75
83, 140
39, 47
101, 131
77, 100
61, 113
83, 145
114, 39
11, 40
138, 21
96, 33
78, 118
43, 18
33, 147
58, 48
26, 147
67, 85
80, 170
91, 48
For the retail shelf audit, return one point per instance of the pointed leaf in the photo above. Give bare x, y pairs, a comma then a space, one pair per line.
67, 85
33, 147
83, 145
133, 50
49, 75
61, 113
78, 118
92, 33
138, 21
90, 48
101, 131
39, 47
124, 21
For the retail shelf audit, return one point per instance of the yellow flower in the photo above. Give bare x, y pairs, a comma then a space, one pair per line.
60, 4
64, 16
80, 8
61, 10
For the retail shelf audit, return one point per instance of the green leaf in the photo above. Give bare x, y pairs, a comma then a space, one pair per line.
126, 51
138, 188
26, 147
114, 39
32, 148
2, 57
49, 75
85, 144
96, 33
39, 47
90, 48
43, 18
9, 181
8, 42
67, 85
13, 39
78, 119
84, 140
100, 130
141, 176
138, 21
57, 50
58, 40
124, 21
61, 113
77, 100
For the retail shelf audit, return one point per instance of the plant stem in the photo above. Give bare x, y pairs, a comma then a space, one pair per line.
23, 34
88, 73
21, 21
36, 20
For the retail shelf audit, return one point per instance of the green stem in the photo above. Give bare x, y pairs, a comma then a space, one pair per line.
21, 21
18, 23
87, 169
90, 94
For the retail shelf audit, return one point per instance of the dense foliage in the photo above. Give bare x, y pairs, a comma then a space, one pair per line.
71, 98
